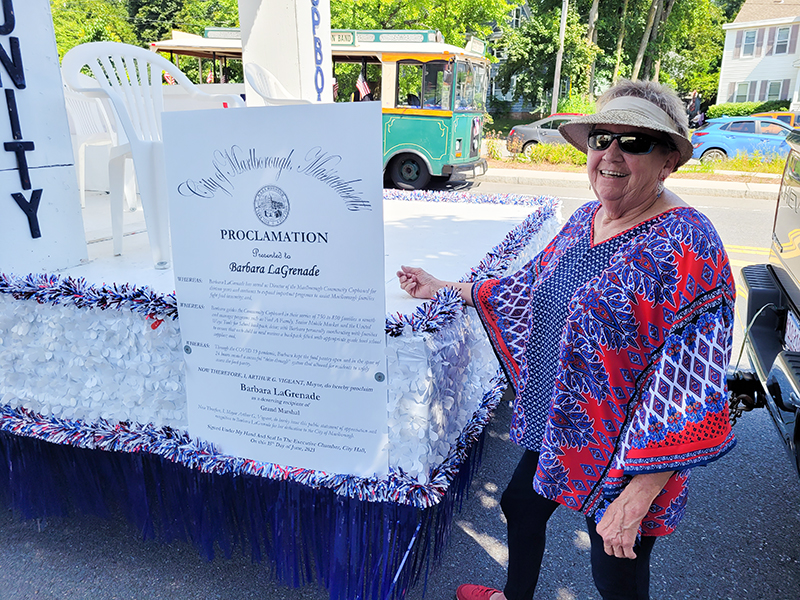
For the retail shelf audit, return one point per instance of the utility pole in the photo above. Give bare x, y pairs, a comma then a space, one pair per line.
559, 56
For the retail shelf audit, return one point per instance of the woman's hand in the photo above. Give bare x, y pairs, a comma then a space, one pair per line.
620, 523
418, 283
421, 284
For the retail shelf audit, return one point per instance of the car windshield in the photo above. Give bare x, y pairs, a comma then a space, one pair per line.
470, 86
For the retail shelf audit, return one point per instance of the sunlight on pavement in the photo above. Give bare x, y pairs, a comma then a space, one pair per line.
496, 549
488, 501
582, 541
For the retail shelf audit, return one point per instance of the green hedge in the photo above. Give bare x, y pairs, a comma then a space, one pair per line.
744, 109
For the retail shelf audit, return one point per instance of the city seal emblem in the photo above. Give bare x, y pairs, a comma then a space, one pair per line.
271, 205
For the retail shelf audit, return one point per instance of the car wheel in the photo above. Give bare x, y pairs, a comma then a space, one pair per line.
527, 149
713, 155
409, 172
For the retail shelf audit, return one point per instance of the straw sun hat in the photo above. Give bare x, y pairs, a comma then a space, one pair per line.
632, 111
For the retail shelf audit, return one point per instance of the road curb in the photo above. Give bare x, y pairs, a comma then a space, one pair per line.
756, 191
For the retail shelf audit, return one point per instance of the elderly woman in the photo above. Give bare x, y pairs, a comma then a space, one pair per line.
616, 339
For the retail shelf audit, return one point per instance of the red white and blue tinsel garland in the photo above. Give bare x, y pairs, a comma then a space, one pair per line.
165, 480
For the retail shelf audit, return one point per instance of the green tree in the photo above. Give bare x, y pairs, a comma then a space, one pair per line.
683, 47
454, 18
692, 48
531, 55
730, 8
153, 19
196, 15
83, 21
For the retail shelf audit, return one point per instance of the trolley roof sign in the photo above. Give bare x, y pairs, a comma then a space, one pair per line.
219, 41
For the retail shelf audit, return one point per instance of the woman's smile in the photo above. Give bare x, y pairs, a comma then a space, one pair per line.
605, 173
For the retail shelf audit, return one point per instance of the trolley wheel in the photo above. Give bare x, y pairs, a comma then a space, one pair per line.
409, 172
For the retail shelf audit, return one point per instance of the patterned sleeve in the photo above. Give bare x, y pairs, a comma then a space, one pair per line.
504, 307
682, 420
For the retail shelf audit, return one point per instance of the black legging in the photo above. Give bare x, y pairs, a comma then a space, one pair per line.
527, 514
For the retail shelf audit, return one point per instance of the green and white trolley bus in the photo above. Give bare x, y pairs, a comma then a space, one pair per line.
432, 94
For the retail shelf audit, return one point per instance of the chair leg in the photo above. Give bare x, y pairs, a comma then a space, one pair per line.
151, 179
131, 193
116, 184
81, 166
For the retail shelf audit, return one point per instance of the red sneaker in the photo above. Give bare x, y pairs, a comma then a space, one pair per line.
469, 591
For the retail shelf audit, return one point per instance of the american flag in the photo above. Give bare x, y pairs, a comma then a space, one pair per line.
335, 89
362, 86
169, 78
210, 78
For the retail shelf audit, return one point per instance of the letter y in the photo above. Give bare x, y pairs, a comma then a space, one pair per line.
30, 209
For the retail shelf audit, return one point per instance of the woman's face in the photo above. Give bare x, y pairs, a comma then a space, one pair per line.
626, 181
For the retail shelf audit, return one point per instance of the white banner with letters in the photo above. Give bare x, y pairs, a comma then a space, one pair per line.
277, 241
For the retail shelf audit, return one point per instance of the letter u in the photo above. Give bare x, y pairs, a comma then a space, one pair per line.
8, 18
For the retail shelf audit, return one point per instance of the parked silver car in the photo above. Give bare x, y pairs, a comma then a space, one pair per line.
522, 138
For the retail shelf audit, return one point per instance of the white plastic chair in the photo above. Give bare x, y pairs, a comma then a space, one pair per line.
131, 78
91, 125
268, 87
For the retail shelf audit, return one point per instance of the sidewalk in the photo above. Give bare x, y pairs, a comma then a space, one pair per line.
681, 186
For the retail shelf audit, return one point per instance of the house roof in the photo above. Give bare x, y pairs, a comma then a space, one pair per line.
763, 10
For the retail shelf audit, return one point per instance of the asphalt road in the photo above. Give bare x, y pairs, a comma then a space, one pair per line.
740, 539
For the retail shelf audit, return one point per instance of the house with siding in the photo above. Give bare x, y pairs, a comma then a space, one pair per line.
760, 60
519, 108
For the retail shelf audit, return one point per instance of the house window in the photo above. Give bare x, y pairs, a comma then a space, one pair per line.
774, 90
741, 91
749, 43
782, 41
516, 17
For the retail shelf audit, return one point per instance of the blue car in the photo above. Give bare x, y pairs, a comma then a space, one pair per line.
721, 138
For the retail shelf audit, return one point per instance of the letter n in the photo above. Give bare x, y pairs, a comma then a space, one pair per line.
13, 64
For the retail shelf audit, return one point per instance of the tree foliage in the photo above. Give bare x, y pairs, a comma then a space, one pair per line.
531, 55
196, 15
683, 47
140, 22
137, 22
693, 47
454, 18
83, 21
153, 19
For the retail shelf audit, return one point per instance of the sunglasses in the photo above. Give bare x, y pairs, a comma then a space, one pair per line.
630, 143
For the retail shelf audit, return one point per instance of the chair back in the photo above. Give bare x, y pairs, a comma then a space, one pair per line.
132, 78
268, 87
87, 117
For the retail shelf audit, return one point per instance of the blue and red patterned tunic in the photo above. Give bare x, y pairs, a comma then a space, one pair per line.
618, 353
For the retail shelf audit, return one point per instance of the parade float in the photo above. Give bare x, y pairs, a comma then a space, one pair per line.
102, 408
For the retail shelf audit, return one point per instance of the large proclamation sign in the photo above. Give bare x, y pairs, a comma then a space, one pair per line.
277, 240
